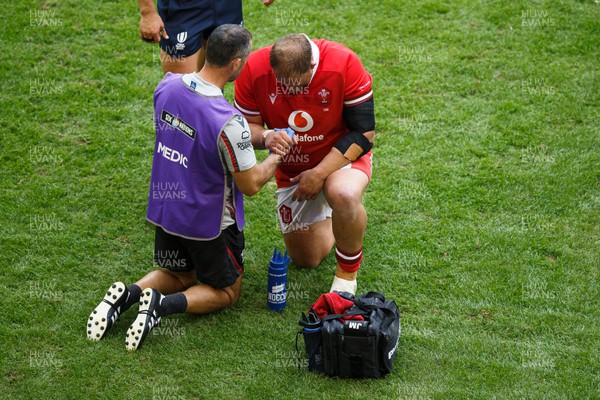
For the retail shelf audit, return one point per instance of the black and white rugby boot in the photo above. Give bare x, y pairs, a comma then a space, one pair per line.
146, 320
107, 312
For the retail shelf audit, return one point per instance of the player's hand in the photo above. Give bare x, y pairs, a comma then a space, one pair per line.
278, 142
268, 2
310, 184
152, 28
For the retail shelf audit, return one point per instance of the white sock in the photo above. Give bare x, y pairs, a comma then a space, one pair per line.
343, 285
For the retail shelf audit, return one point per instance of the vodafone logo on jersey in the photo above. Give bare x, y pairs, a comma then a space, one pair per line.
300, 121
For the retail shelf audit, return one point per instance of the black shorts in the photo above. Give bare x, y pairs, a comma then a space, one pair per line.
218, 262
189, 22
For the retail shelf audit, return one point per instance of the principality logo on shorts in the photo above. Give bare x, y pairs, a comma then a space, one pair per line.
178, 124
286, 214
181, 38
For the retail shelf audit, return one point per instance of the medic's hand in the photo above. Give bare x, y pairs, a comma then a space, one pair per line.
279, 141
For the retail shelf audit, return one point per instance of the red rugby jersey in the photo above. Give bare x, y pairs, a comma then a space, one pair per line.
315, 114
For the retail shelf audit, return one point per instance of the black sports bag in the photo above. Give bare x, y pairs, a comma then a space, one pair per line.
353, 349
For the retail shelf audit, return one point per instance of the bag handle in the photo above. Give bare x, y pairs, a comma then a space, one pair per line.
373, 295
360, 311
363, 306
311, 321
352, 312
370, 301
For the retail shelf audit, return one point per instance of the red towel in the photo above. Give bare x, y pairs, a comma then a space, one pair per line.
333, 303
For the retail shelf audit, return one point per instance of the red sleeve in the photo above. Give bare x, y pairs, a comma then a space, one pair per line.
358, 83
243, 93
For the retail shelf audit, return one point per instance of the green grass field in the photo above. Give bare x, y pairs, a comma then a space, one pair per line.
484, 208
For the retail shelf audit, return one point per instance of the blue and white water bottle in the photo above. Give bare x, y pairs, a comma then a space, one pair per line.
277, 281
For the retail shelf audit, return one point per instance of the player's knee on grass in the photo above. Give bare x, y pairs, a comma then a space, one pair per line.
187, 279
233, 293
307, 260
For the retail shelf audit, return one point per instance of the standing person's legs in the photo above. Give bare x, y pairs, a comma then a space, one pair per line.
180, 64
225, 12
186, 24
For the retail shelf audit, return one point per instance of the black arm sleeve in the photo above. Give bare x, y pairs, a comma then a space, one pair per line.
361, 117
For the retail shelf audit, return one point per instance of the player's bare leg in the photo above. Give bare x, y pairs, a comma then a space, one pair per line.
201, 56
168, 282
344, 190
179, 65
198, 299
308, 246
204, 299
186, 296
201, 299
119, 298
